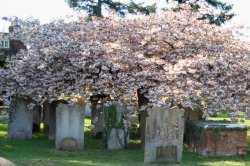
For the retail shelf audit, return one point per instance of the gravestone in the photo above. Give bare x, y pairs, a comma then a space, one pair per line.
115, 132
87, 110
247, 113
164, 135
46, 110
37, 118
142, 100
49, 110
20, 119
52, 122
97, 121
69, 127
190, 115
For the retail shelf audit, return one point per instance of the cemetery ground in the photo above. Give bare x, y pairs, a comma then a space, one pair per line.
41, 151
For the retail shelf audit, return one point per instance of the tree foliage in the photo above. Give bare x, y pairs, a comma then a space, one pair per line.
94, 8
179, 60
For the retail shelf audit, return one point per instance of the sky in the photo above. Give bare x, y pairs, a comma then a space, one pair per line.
47, 10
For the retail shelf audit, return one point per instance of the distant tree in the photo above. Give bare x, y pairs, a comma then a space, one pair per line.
94, 7
217, 12
220, 14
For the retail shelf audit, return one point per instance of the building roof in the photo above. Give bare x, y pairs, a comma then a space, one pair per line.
4, 26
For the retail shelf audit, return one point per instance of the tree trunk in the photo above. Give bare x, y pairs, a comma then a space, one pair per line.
142, 100
98, 9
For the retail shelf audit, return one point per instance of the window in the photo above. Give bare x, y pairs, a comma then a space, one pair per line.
4, 44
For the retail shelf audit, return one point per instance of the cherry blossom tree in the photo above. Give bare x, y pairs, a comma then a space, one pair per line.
176, 58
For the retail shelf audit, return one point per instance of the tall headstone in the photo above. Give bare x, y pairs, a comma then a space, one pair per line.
115, 131
164, 135
20, 119
49, 112
190, 115
142, 100
69, 127
97, 118
37, 118
52, 122
46, 110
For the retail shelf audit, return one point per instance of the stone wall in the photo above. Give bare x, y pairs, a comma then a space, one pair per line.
69, 127
164, 135
20, 119
218, 138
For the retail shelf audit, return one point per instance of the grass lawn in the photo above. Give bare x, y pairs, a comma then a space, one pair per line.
41, 152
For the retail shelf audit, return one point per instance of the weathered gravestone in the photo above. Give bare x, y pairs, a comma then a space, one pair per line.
164, 135
69, 127
20, 119
46, 111
97, 118
247, 113
49, 110
142, 100
87, 110
115, 131
37, 118
190, 115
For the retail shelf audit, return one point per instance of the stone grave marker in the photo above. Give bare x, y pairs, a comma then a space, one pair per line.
247, 113
69, 127
20, 119
164, 135
97, 120
115, 132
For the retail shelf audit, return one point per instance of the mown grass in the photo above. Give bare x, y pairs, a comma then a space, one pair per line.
41, 152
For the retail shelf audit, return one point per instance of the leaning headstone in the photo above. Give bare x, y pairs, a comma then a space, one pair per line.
97, 120
69, 127
37, 118
115, 131
20, 119
164, 135
5, 162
